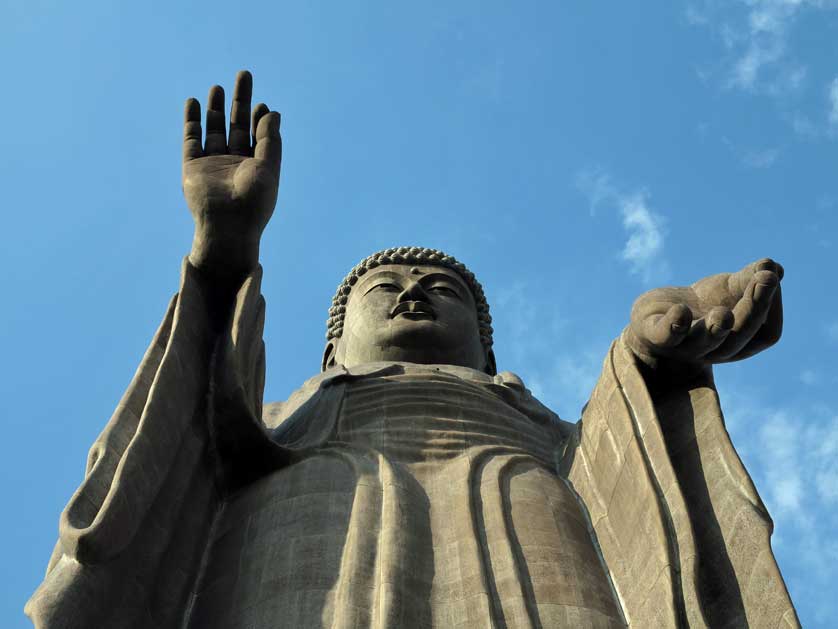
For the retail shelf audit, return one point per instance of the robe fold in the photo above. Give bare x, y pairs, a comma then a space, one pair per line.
402, 495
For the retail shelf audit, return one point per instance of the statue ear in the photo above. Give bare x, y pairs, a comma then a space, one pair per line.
329, 355
491, 366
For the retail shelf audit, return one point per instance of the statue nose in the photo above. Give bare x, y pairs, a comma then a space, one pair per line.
413, 292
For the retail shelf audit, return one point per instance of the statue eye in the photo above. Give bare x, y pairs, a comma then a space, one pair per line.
385, 286
443, 290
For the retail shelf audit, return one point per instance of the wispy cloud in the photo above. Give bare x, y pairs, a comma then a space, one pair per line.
833, 103
796, 450
786, 449
758, 54
644, 247
764, 40
558, 358
784, 490
791, 452
565, 384
755, 34
756, 158
516, 310
832, 331
810, 377
695, 15
747, 68
597, 186
645, 229
760, 158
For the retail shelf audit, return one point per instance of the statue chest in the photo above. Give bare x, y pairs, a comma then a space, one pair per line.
433, 503
432, 416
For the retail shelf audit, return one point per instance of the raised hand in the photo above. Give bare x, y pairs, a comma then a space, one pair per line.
230, 182
678, 331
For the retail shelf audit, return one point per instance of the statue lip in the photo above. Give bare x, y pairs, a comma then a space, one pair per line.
413, 310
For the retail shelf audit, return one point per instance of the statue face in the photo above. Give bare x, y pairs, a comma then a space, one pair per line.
419, 314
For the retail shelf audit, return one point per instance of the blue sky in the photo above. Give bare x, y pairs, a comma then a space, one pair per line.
572, 154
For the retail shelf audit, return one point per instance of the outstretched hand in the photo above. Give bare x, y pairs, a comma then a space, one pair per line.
230, 182
721, 318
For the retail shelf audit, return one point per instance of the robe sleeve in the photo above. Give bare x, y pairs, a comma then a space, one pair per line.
133, 534
679, 524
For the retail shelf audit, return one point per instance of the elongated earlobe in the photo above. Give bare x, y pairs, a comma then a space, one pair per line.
329, 356
491, 366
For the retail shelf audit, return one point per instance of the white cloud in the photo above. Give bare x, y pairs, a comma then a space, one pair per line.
827, 484
516, 309
764, 37
756, 35
792, 455
810, 377
826, 202
695, 16
597, 186
780, 450
564, 381
833, 102
558, 358
576, 376
644, 247
747, 68
753, 157
646, 234
789, 79
760, 158
787, 493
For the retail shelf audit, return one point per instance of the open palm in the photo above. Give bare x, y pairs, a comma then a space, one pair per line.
230, 182
721, 318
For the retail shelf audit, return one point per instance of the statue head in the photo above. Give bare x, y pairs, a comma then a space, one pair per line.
410, 304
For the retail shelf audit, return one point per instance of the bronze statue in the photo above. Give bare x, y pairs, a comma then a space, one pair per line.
409, 484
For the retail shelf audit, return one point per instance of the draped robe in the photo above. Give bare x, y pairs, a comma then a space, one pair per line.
402, 495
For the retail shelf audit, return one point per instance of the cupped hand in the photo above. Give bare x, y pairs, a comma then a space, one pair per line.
721, 318
230, 181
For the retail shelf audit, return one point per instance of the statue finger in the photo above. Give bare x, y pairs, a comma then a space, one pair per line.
216, 141
773, 327
260, 110
268, 140
707, 333
192, 148
767, 264
769, 332
749, 314
668, 329
739, 282
240, 114
660, 300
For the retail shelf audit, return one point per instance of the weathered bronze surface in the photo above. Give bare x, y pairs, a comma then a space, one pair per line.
409, 484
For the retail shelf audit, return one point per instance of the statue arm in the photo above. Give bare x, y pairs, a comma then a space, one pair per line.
230, 182
131, 505
155, 473
652, 446
661, 480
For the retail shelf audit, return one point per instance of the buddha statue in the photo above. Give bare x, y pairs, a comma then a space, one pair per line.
409, 484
